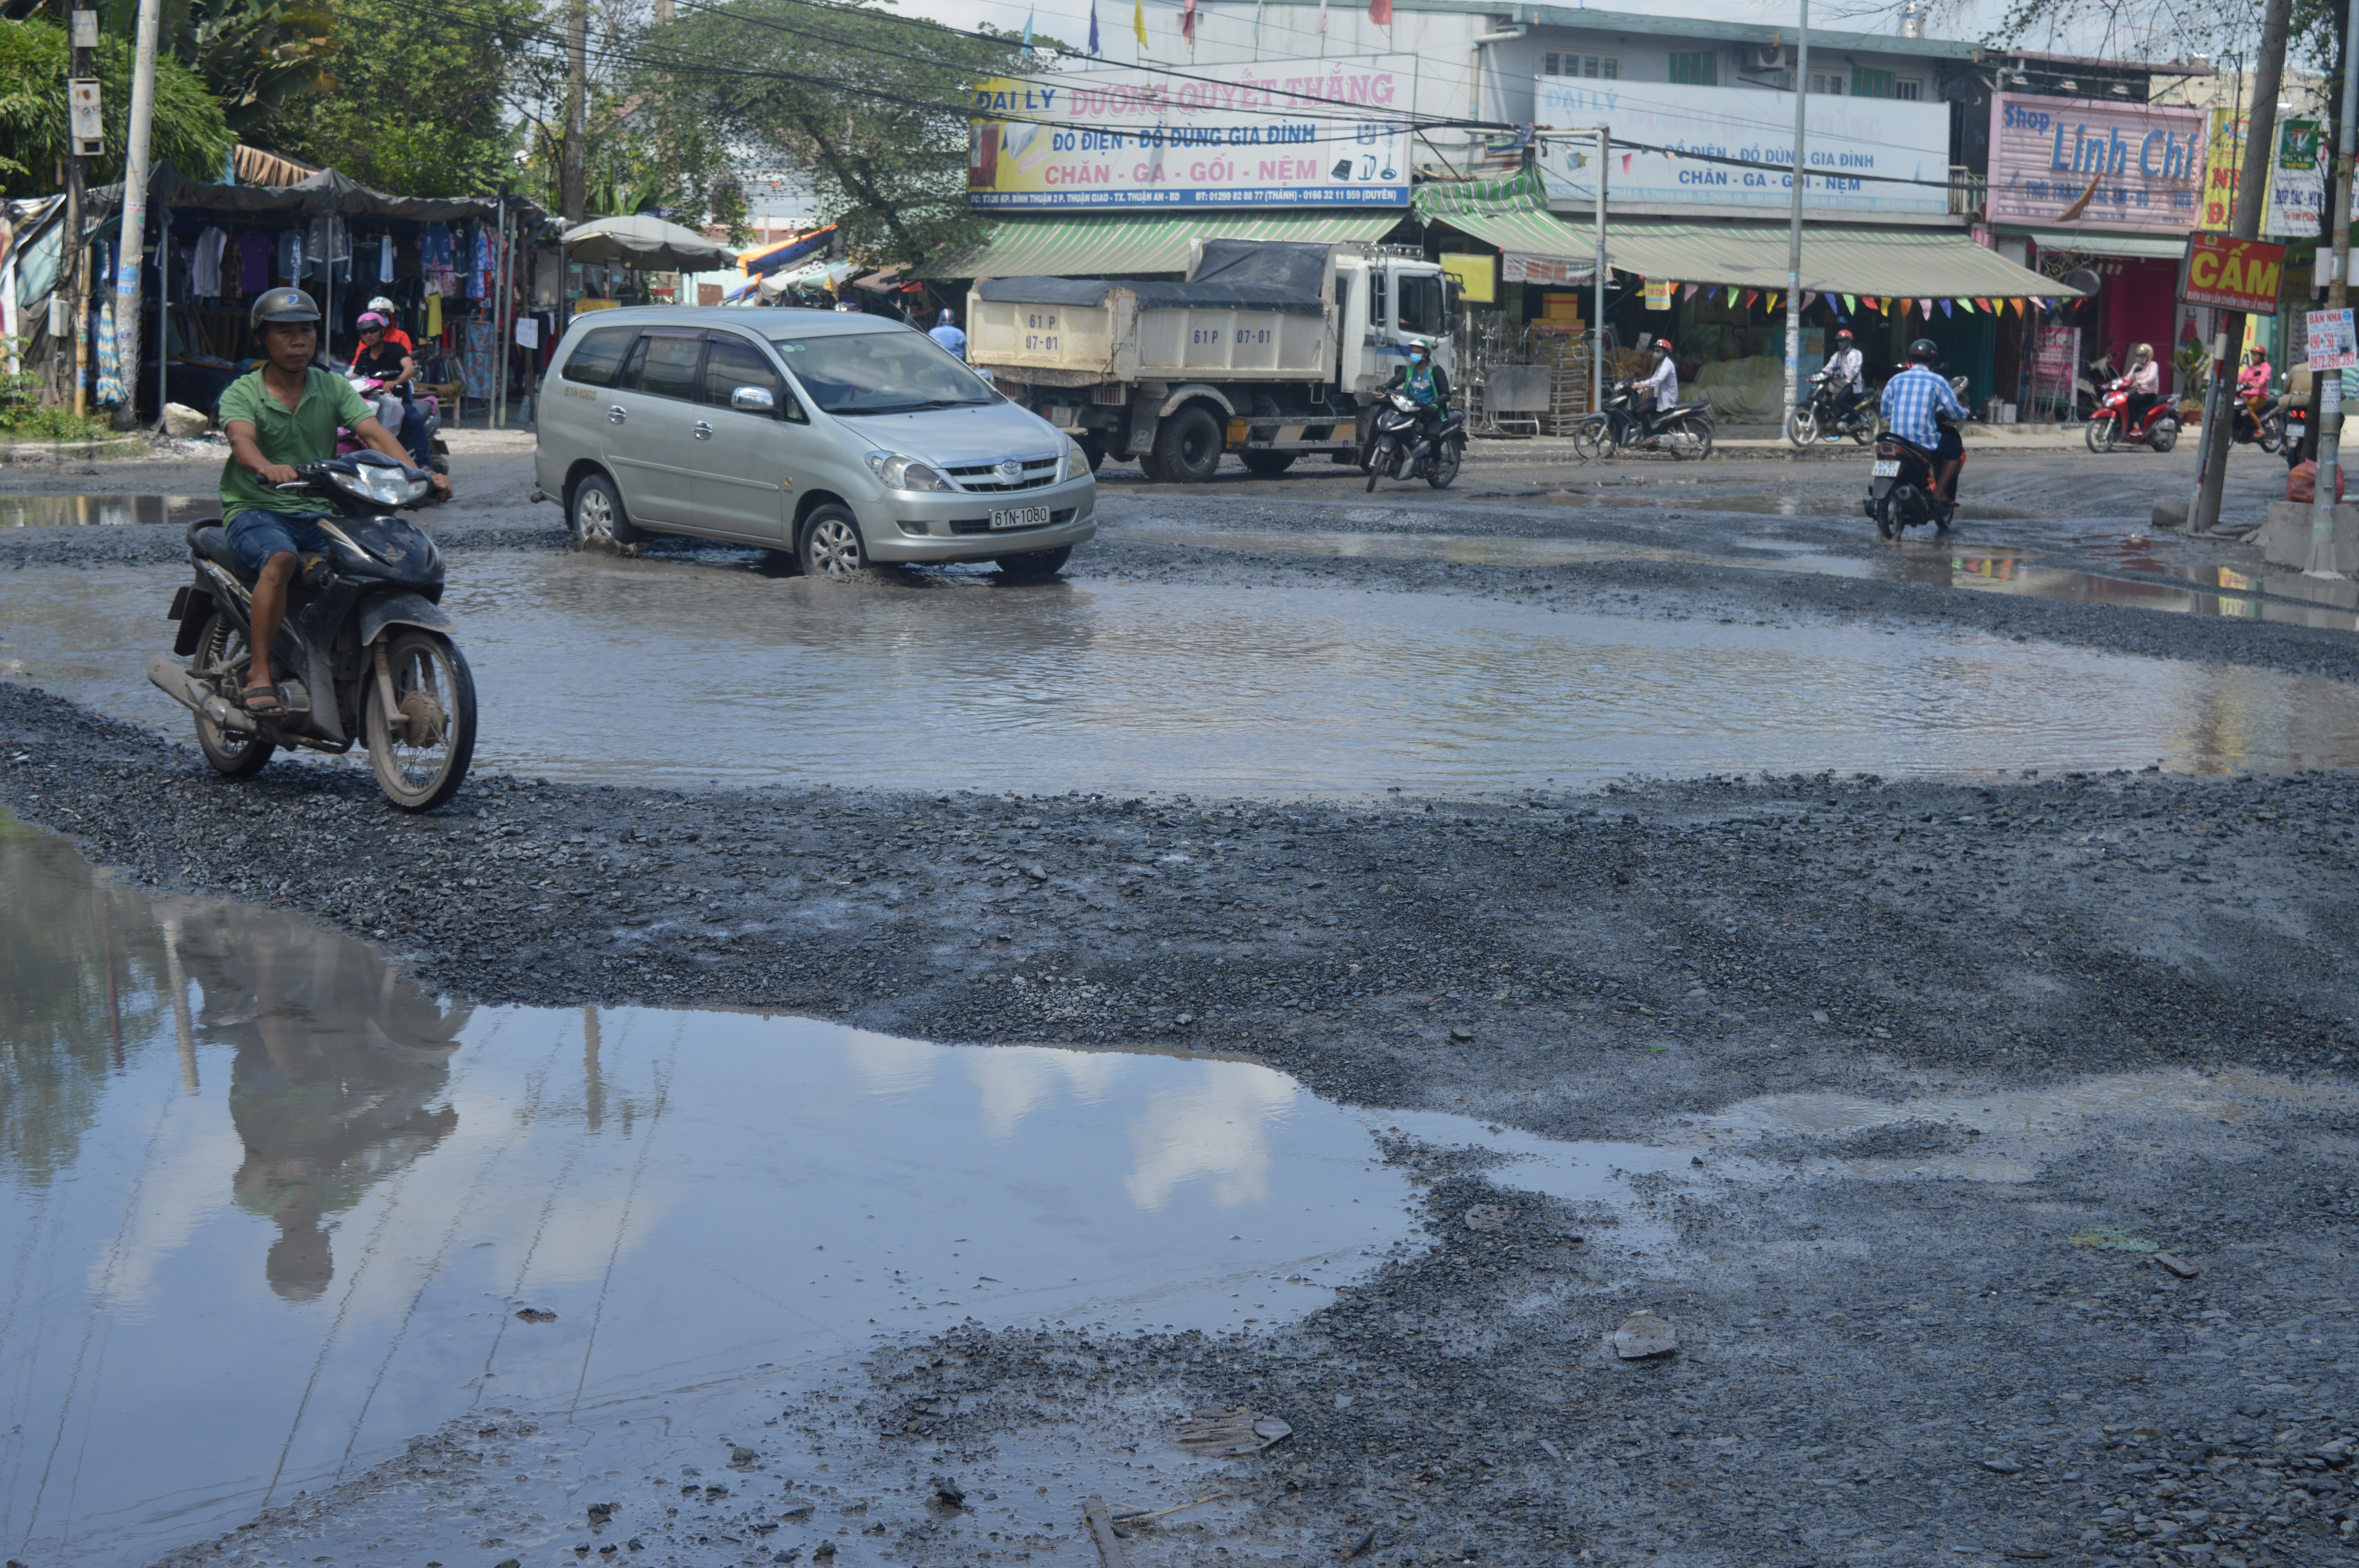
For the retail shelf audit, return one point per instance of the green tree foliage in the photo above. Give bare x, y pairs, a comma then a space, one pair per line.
872, 107
189, 128
416, 104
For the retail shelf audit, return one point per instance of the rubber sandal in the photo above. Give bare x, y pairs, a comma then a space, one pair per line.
262, 701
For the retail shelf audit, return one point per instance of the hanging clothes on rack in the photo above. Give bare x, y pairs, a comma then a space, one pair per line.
475, 360
205, 263
109, 372
327, 248
290, 255
385, 258
254, 260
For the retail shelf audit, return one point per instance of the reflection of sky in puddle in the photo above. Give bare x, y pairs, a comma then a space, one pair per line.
112, 511
271, 1210
939, 682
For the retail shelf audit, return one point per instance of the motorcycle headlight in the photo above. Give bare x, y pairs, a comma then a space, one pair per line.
382, 484
901, 472
1404, 402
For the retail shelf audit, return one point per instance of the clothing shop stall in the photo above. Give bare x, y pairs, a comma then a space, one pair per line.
444, 262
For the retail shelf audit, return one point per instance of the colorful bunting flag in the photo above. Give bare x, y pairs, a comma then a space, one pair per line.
1688, 290
1750, 295
1138, 19
1945, 310
1849, 304
1732, 294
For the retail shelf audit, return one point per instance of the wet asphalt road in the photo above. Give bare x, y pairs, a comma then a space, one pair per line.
1891, 1352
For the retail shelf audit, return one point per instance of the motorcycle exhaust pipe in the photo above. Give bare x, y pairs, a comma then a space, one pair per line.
170, 678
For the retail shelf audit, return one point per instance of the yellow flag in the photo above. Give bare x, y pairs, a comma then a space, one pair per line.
1138, 21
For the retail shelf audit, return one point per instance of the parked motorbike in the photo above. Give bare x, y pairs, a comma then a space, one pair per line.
1684, 430
1397, 452
2109, 427
1827, 413
365, 651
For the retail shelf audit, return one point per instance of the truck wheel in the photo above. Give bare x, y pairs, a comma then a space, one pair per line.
1188, 446
1093, 449
1269, 465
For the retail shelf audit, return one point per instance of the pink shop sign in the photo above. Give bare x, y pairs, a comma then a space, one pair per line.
2080, 163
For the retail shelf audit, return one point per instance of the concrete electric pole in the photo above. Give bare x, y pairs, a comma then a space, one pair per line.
573, 186
86, 141
2325, 387
2252, 190
1794, 228
135, 215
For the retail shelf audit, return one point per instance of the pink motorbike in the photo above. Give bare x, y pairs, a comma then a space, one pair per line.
381, 395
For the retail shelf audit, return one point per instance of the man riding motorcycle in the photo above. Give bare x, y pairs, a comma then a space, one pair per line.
382, 360
277, 418
1911, 402
1850, 367
949, 334
1426, 384
1662, 387
2144, 377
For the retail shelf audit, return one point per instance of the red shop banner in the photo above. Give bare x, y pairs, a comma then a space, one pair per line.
2232, 274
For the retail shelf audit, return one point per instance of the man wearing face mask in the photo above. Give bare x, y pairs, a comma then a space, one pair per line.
1426, 384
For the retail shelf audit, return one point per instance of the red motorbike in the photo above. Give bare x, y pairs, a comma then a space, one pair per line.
2109, 427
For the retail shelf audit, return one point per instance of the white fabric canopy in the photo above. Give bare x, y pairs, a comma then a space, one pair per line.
649, 243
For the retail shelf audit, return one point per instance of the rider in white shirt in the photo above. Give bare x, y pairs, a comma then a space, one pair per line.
1850, 369
1663, 385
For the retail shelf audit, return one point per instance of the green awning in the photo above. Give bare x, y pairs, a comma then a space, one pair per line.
1122, 245
1837, 258
2144, 247
1511, 213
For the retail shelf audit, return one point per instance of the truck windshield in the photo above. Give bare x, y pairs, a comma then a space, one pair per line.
891, 372
1417, 297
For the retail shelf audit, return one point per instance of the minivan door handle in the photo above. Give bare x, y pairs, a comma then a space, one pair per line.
704, 429
616, 414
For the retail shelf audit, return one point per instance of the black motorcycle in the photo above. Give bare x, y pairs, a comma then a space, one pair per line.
1684, 429
1900, 488
1398, 449
1830, 412
364, 652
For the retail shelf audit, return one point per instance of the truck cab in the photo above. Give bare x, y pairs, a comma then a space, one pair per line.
1390, 294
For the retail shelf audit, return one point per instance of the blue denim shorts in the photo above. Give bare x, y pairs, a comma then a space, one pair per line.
258, 534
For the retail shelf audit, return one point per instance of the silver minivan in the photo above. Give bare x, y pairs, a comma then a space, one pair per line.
845, 440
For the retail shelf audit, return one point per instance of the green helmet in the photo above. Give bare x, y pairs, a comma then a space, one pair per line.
282, 304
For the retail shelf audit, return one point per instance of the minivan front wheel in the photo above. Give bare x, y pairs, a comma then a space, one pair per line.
831, 543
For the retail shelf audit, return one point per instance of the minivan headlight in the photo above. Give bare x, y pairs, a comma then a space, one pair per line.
900, 471
1076, 461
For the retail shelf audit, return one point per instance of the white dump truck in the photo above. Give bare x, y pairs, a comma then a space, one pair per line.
1269, 350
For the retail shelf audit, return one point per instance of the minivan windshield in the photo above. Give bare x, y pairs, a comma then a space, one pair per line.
880, 373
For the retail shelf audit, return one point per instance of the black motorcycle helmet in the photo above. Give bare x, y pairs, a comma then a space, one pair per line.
1924, 351
282, 304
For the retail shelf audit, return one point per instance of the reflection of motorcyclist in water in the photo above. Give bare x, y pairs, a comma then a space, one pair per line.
337, 1083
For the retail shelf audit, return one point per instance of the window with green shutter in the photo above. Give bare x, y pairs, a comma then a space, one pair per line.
1866, 83
1700, 69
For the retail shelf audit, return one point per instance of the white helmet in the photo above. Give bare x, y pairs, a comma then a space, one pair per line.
382, 306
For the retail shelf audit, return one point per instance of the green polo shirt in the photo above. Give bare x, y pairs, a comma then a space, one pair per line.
304, 433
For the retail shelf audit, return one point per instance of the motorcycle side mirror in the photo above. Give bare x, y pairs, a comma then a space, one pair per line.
754, 400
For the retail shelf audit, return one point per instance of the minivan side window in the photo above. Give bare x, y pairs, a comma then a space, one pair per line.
665, 364
599, 354
733, 363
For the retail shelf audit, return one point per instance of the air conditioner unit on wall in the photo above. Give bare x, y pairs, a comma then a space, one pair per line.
1768, 57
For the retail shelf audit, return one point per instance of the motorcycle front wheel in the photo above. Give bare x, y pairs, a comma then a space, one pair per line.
1592, 438
1443, 466
2099, 432
233, 753
1805, 432
420, 749
1380, 461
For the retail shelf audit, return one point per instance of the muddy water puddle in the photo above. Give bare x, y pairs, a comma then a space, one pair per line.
689, 671
270, 1210
68, 510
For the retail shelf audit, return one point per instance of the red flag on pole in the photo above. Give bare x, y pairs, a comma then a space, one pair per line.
1380, 12
1188, 23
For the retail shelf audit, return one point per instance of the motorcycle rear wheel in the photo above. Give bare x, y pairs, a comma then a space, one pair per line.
233, 753
2164, 436
1689, 436
421, 751
1805, 432
2272, 434
2101, 433
1592, 438
1883, 517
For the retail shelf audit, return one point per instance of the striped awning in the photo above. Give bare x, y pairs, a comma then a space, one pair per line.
1512, 214
2095, 243
1837, 258
1119, 244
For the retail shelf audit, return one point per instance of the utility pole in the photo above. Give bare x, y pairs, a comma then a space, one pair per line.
1597, 328
2260, 137
1794, 227
573, 188
135, 217
2326, 386
73, 285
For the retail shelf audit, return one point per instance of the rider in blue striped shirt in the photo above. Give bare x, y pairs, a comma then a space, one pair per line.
1911, 401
